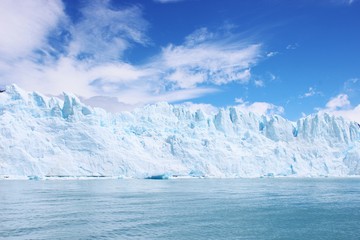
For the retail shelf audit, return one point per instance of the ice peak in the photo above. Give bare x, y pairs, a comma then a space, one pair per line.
72, 105
15, 92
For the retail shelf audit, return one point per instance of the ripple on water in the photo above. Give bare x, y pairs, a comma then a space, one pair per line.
181, 209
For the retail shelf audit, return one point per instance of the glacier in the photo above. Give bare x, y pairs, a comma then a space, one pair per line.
44, 137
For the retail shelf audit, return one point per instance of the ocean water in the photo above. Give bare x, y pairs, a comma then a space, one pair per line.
268, 208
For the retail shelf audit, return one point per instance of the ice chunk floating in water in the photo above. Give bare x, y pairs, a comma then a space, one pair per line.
42, 136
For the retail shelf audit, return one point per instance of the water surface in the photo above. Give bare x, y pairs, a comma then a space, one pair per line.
181, 209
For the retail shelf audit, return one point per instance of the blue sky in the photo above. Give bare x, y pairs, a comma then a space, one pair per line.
269, 56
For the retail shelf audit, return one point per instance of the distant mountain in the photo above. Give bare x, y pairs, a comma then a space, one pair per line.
42, 136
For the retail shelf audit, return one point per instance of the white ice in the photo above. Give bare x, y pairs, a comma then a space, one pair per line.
42, 136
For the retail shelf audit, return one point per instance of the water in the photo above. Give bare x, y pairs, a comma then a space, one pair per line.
181, 209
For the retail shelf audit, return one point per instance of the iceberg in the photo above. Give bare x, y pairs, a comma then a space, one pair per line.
46, 136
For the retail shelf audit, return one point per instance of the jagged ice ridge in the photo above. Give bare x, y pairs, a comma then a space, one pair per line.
43, 136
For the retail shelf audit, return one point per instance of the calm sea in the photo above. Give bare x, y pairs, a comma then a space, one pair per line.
181, 209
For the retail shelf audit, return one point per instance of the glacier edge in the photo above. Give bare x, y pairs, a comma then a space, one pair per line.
47, 136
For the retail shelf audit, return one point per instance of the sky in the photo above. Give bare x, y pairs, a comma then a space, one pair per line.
286, 57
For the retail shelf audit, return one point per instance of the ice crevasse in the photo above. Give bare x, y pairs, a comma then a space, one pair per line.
47, 136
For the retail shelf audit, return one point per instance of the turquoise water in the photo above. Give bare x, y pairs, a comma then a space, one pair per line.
181, 209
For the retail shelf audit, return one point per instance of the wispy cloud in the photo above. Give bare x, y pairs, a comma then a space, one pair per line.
352, 86
338, 102
292, 46
346, 2
239, 100
259, 83
272, 54
25, 25
90, 59
84, 64
205, 58
311, 92
167, 1
104, 33
271, 76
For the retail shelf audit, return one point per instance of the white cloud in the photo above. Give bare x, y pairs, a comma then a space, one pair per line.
292, 46
105, 33
70, 75
271, 54
239, 100
352, 114
111, 104
341, 106
352, 86
260, 80
338, 102
167, 1
64, 75
311, 92
199, 36
180, 95
185, 78
272, 76
202, 59
346, 2
24, 25
90, 63
259, 83
261, 108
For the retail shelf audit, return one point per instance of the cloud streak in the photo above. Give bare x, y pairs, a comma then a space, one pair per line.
104, 33
205, 58
168, 1
310, 93
346, 2
86, 57
24, 26
208, 63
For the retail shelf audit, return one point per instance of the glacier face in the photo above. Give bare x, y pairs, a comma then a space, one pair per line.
42, 136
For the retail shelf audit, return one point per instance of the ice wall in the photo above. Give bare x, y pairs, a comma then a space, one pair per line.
45, 136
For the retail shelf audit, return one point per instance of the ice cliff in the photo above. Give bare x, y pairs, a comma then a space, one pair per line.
42, 136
